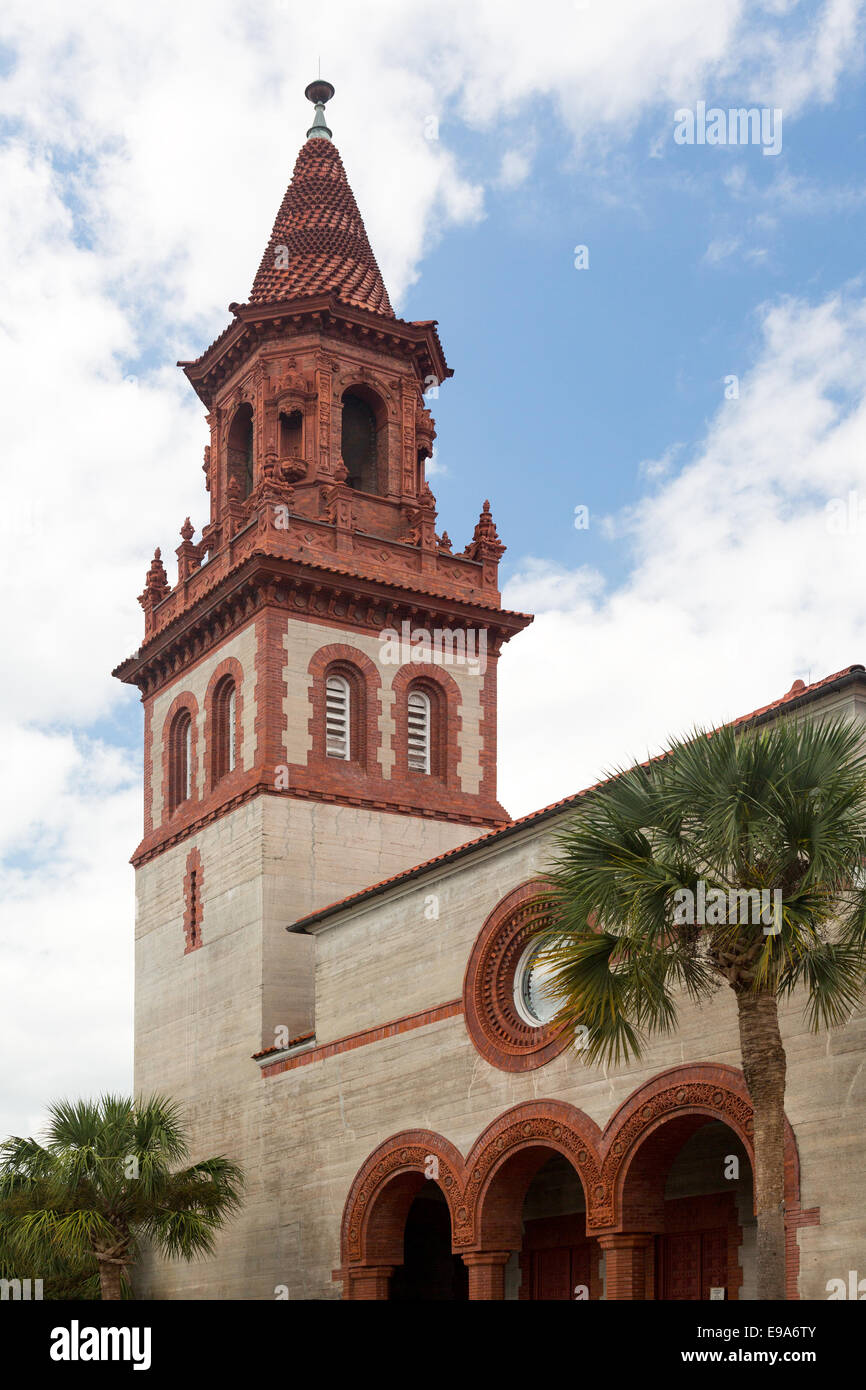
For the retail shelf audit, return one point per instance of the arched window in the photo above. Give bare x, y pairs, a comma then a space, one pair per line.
180, 759
359, 443
418, 731
338, 698
240, 448
224, 728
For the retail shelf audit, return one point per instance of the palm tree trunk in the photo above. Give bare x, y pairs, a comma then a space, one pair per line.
110, 1276
763, 1058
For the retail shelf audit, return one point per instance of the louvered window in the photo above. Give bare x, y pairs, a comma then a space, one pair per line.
418, 752
230, 712
337, 700
180, 760
223, 731
187, 758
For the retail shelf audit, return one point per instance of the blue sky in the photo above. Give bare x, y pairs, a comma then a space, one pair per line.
144, 152
567, 380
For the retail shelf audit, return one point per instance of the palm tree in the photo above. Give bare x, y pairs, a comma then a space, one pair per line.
104, 1182
779, 809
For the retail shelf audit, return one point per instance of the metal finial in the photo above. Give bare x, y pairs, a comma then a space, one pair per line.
318, 93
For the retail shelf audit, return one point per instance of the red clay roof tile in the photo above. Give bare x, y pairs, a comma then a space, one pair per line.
319, 243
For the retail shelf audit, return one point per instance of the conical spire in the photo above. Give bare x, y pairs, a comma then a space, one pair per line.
319, 244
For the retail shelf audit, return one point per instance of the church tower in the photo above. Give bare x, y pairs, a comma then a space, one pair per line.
319, 683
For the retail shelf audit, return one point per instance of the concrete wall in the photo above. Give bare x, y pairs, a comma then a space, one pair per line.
200, 1017
303, 1134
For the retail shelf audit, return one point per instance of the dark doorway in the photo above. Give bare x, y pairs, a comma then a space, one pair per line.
429, 1272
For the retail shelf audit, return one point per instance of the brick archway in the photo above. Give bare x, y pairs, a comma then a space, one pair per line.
507, 1155
709, 1090
643, 1133
374, 1216
485, 1192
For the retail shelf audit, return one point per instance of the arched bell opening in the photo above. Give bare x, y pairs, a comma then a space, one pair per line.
240, 463
364, 439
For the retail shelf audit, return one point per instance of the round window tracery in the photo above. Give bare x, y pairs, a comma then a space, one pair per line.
505, 1004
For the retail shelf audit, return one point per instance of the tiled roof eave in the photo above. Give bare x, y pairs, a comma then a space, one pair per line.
197, 369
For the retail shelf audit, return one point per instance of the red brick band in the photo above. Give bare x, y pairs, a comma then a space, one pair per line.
367, 1035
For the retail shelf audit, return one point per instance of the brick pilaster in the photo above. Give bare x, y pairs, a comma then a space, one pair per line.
487, 1273
370, 1283
626, 1257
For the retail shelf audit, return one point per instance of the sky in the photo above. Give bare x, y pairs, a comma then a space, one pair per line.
671, 335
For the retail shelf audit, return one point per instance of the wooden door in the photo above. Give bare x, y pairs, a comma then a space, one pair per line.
557, 1272
551, 1274
690, 1263
714, 1261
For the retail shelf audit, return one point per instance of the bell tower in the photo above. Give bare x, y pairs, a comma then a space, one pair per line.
319, 682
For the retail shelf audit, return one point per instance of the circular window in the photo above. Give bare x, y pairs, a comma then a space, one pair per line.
507, 1008
532, 987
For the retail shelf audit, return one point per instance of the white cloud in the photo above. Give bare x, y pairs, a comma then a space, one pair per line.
514, 168
721, 249
66, 943
737, 585
654, 469
434, 468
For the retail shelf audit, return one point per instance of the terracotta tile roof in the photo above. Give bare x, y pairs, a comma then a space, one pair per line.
293, 1042
798, 693
799, 689
327, 249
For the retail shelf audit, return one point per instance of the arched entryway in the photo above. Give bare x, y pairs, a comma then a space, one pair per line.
688, 1188
429, 1272
398, 1222
674, 1211
528, 1178
664, 1194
